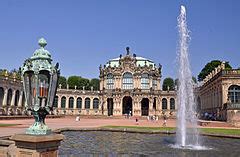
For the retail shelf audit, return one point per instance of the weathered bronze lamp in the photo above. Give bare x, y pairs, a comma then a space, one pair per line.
40, 79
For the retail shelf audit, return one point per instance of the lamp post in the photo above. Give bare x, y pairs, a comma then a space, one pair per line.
40, 79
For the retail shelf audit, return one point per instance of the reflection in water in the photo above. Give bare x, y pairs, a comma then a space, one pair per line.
101, 144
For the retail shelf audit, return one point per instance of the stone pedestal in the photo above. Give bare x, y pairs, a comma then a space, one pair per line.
37, 146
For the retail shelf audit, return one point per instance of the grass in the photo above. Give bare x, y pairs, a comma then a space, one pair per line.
6, 125
218, 131
139, 128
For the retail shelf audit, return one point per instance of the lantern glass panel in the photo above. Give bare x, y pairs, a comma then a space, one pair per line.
52, 89
27, 80
43, 87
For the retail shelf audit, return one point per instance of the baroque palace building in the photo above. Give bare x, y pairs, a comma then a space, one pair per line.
219, 94
128, 85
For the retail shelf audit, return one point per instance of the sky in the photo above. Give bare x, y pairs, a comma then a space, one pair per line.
82, 34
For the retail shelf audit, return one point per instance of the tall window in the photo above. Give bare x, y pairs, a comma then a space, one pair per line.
95, 103
55, 102
87, 103
234, 94
71, 102
63, 102
127, 81
79, 103
144, 81
110, 81
172, 104
164, 103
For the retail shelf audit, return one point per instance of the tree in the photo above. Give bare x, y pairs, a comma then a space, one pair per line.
84, 82
95, 83
168, 83
176, 81
79, 82
73, 81
63, 81
194, 79
209, 67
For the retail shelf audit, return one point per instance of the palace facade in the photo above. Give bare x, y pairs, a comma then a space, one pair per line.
129, 85
219, 94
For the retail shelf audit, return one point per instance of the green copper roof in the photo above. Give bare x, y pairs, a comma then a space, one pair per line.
140, 62
41, 53
41, 59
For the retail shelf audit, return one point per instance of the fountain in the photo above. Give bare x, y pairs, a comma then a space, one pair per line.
187, 133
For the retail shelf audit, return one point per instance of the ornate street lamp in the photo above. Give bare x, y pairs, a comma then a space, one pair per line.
40, 79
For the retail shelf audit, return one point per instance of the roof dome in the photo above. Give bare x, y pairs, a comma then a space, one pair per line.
140, 61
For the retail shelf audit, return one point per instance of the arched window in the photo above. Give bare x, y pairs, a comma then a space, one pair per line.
172, 104
110, 81
155, 103
79, 102
145, 81
1, 96
95, 103
234, 94
87, 103
16, 98
63, 102
55, 102
9, 97
71, 102
127, 81
164, 103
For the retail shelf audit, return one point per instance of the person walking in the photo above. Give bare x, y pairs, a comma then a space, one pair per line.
164, 121
137, 122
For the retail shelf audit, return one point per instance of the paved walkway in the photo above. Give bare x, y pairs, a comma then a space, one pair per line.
87, 123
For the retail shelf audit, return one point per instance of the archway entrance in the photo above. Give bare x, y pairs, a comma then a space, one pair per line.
110, 106
145, 106
1, 96
1, 100
127, 105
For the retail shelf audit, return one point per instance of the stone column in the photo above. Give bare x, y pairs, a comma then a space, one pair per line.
59, 101
13, 98
150, 82
67, 102
224, 94
150, 107
168, 104
101, 83
20, 99
5, 97
115, 82
158, 84
160, 104
91, 103
75, 103
83, 103
114, 106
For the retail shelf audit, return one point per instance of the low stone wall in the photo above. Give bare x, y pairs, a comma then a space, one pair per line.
233, 117
7, 148
27, 117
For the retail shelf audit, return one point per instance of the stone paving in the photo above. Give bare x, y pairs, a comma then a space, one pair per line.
89, 122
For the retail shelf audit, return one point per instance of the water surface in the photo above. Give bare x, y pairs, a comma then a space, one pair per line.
102, 144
